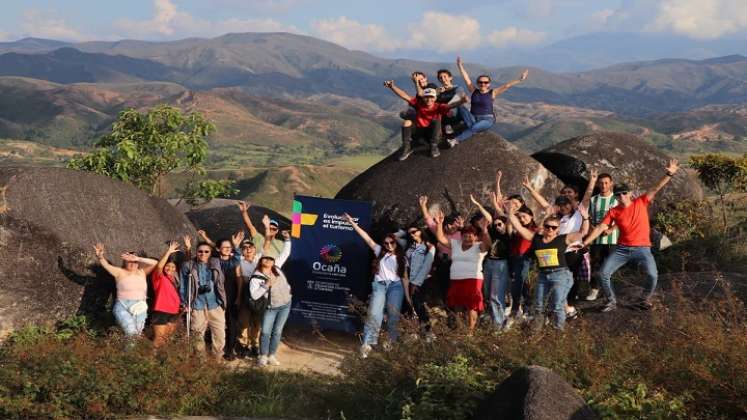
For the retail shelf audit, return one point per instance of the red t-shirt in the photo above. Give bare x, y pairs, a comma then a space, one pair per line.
519, 245
424, 116
632, 221
166, 297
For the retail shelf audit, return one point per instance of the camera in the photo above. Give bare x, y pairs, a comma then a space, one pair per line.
204, 288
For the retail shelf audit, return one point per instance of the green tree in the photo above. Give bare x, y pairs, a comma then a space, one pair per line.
143, 148
722, 174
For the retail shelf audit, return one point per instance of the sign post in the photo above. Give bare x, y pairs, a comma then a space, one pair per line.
329, 263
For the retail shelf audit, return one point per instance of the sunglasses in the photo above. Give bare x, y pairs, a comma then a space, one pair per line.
483, 82
203, 252
552, 227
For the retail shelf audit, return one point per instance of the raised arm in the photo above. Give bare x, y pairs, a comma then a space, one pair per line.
285, 253
671, 169
267, 242
244, 208
486, 214
485, 241
465, 76
579, 236
456, 104
204, 236
100, 254
187, 247
500, 89
516, 223
535, 194
440, 236
236, 242
397, 91
145, 264
593, 176
362, 233
416, 81
173, 247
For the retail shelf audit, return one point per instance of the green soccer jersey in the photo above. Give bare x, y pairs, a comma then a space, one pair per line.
598, 208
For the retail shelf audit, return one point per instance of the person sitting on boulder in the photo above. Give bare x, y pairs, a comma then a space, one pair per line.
130, 308
466, 278
276, 245
166, 300
427, 119
203, 294
269, 283
634, 243
550, 249
481, 116
389, 288
420, 81
449, 93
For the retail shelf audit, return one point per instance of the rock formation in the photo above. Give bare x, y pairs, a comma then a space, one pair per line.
221, 218
534, 393
49, 220
626, 157
394, 186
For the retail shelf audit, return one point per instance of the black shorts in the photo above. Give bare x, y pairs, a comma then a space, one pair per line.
162, 318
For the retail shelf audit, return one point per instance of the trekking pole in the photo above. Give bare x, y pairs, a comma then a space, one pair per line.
189, 306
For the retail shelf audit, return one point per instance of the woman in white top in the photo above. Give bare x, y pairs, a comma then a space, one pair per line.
130, 308
389, 287
269, 283
467, 254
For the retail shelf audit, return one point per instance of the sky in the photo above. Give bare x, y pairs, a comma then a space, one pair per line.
385, 27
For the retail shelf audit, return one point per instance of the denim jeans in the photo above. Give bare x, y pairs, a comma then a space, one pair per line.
475, 124
494, 287
131, 324
272, 329
557, 282
622, 255
518, 267
384, 296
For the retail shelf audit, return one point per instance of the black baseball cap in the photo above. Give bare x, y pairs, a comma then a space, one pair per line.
621, 189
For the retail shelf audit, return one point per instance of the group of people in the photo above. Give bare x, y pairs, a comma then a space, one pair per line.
437, 112
235, 288
578, 240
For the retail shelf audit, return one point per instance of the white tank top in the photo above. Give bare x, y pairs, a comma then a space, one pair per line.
466, 264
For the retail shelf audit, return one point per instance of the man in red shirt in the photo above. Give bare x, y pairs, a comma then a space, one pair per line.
428, 116
634, 243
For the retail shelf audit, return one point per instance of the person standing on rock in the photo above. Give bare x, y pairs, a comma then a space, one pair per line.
166, 300
420, 255
276, 245
130, 308
427, 119
481, 116
203, 293
634, 243
466, 277
550, 248
389, 288
604, 245
269, 287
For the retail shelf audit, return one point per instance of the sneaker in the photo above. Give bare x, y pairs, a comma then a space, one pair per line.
365, 350
448, 129
452, 143
273, 361
507, 325
573, 314
387, 346
434, 151
262, 361
593, 294
610, 306
406, 152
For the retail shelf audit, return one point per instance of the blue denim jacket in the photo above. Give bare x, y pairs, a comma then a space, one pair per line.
420, 258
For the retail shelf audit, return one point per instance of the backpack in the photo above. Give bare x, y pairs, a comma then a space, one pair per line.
257, 306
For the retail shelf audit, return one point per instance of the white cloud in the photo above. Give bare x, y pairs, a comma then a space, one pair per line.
169, 22
445, 32
512, 35
355, 35
701, 19
42, 24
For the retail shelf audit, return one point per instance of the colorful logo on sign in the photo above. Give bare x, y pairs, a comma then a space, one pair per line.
331, 253
299, 218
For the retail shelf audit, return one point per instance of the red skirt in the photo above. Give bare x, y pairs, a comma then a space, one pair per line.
465, 293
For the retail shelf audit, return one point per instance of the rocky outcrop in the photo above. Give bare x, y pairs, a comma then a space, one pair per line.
221, 218
49, 220
534, 393
394, 186
626, 157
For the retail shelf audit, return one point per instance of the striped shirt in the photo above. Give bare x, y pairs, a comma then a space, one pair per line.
598, 208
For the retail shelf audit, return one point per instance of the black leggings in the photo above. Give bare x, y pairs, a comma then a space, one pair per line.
418, 303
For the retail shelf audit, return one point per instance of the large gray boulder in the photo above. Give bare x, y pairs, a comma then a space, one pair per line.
49, 220
221, 218
626, 157
394, 186
534, 393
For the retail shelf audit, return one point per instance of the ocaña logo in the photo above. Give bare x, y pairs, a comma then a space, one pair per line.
330, 253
